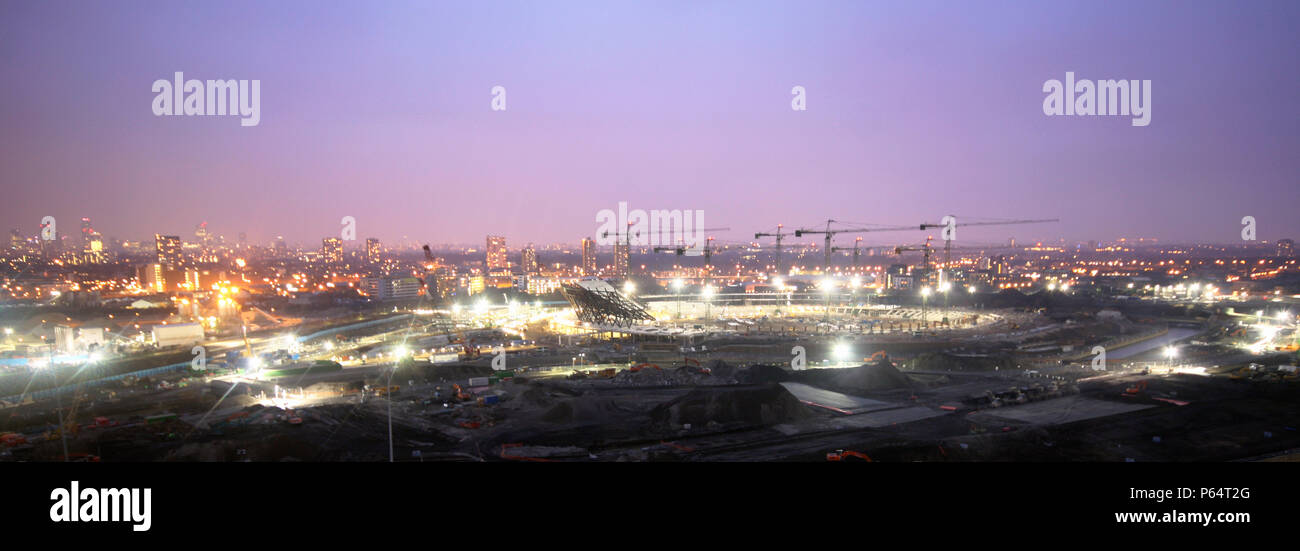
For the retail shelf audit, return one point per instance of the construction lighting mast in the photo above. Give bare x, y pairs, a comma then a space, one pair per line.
778, 235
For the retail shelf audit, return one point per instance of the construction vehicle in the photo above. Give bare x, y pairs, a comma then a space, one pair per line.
459, 393
842, 455
468, 350
1136, 389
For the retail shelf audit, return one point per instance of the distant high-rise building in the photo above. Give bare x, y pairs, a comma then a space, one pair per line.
161, 278
1286, 247
201, 233
168, 248
280, 248
94, 248
332, 250
588, 256
372, 251
529, 260
86, 232
496, 253
620, 259
391, 288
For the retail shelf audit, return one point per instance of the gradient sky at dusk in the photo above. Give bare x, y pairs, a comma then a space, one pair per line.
380, 110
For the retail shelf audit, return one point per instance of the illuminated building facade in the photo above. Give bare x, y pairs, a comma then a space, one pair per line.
496, 253
528, 260
588, 256
332, 250
372, 251
620, 259
168, 248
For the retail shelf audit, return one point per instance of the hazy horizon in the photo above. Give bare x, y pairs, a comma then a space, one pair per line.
914, 110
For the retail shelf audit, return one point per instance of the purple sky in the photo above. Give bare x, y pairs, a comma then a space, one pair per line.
381, 111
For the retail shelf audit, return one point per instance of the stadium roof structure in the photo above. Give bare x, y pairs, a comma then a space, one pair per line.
597, 302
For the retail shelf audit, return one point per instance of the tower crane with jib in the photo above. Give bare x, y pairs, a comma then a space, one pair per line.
925, 250
949, 224
857, 251
429, 280
707, 252
830, 232
779, 235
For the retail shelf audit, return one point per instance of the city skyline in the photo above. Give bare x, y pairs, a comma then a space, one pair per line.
377, 114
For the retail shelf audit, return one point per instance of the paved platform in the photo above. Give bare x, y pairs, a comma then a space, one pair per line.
829, 399
1059, 411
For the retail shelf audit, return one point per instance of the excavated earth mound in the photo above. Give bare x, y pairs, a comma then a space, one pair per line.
750, 405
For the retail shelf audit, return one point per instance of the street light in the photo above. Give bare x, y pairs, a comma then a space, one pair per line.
707, 293
828, 287
629, 288
944, 288
1170, 352
677, 288
388, 393
925, 299
840, 351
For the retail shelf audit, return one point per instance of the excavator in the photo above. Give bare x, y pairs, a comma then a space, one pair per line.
1136, 389
842, 455
468, 350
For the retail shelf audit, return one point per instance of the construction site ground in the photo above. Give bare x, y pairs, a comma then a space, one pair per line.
718, 412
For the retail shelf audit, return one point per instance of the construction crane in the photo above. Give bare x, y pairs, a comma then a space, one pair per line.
627, 242
925, 267
830, 234
856, 251
779, 235
951, 221
428, 272
707, 252
925, 249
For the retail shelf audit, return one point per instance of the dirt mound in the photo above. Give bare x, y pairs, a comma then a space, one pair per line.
584, 410
879, 376
537, 396
939, 361
758, 374
764, 405
720, 368
456, 372
681, 376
